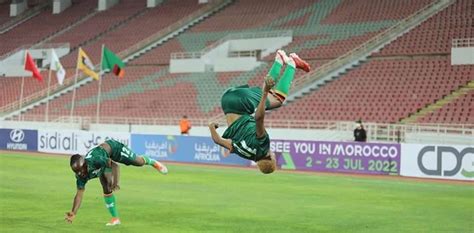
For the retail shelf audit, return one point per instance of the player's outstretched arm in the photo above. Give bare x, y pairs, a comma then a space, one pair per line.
75, 206
226, 143
260, 112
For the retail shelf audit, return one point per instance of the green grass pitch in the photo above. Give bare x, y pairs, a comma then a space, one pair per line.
35, 192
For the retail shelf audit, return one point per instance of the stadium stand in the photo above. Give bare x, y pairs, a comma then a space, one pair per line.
22, 35
11, 88
123, 37
89, 94
434, 36
322, 30
96, 26
4, 13
380, 91
460, 111
230, 20
388, 90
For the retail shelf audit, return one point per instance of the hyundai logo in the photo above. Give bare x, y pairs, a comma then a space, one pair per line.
17, 135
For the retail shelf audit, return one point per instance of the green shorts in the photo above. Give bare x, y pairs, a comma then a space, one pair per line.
121, 153
242, 100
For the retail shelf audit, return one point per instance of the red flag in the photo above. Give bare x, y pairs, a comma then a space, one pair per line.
31, 66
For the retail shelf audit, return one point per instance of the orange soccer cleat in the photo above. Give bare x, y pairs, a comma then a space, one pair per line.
161, 168
300, 63
113, 222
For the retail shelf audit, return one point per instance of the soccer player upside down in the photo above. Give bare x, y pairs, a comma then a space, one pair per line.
246, 135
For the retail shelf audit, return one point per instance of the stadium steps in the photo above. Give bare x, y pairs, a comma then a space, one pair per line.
128, 55
111, 28
177, 32
68, 27
337, 67
350, 60
29, 14
413, 118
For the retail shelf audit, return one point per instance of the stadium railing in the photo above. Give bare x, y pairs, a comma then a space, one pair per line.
376, 131
463, 42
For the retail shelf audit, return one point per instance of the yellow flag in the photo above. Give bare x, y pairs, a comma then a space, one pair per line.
84, 64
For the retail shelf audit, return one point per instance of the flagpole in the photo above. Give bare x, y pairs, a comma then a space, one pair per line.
21, 96
97, 118
47, 99
21, 90
74, 94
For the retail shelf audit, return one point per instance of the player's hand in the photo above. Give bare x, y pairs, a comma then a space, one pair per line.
213, 125
269, 83
69, 217
115, 187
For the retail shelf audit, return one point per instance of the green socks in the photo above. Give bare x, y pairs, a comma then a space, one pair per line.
148, 161
284, 84
110, 204
275, 70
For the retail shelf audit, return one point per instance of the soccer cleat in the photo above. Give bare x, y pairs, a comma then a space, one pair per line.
282, 57
300, 63
113, 222
161, 168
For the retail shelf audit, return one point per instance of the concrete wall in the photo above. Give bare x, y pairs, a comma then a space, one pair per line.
440, 138
36, 125
106, 4
228, 64
187, 65
153, 3
61, 5
462, 56
18, 8
267, 45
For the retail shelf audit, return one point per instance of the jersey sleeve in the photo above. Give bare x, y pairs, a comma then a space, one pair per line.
80, 183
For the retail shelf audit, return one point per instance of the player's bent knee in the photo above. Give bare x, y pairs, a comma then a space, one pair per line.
139, 161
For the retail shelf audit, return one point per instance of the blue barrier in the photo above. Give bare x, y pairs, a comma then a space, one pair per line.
184, 149
19, 139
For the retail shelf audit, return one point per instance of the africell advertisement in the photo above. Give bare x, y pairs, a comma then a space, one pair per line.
75, 141
438, 161
184, 149
347, 157
18, 139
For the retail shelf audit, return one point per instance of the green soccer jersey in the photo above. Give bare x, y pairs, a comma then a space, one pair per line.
243, 133
96, 160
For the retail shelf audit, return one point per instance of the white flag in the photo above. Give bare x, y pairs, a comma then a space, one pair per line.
56, 66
